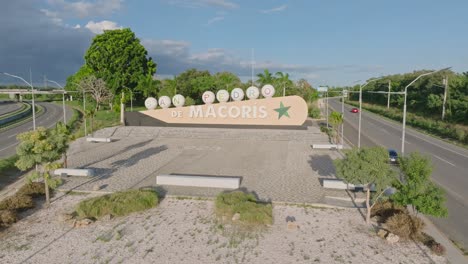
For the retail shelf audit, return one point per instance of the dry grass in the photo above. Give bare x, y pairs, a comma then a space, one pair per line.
405, 226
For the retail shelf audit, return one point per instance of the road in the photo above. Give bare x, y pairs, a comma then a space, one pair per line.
450, 163
53, 113
8, 107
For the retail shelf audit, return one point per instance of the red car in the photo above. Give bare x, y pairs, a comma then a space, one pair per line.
354, 110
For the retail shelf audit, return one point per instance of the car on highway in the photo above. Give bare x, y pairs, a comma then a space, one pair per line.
355, 110
393, 156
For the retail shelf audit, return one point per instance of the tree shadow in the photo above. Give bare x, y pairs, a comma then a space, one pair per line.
323, 165
128, 162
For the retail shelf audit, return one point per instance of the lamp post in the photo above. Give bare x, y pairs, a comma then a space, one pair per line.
32, 95
342, 117
63, 100
360, 108
404, 107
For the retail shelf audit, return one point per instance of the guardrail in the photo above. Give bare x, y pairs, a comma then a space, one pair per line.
13, 116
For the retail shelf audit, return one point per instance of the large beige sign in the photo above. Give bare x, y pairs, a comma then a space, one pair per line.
288, 111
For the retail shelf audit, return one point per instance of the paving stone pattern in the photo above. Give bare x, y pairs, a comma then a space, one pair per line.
278, 165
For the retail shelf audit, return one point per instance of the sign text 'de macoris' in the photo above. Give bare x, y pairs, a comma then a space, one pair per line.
289, 110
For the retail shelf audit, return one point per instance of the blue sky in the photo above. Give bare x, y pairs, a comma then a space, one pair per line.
326, 42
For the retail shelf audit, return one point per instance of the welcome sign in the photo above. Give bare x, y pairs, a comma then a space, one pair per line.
277, 111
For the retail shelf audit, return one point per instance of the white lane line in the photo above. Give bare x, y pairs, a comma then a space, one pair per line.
413, 133
454, 193
444, 160
385, 131
11, 136
9, 146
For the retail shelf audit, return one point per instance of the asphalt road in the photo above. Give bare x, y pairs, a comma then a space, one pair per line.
450, 163
8, 107
52, 114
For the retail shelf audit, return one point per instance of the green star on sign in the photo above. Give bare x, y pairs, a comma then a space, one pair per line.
282, 111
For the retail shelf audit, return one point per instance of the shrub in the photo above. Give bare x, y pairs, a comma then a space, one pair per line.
386, 209
33, 189
117, 204
251, 212
17, 202
7, 217
405, 226
438, 249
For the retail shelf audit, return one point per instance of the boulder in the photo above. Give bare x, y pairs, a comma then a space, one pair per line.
83, 222
292, 226
96, 187
236, 217
382, 233
392, 238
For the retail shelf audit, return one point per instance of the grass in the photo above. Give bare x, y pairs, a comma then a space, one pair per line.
8, 164
252, 213
117, 204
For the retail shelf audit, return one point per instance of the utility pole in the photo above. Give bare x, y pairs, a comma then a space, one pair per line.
326, 101
445, 96
122, 109
389, 87
342, 118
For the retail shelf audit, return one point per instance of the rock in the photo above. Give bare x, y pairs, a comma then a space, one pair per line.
64, 217
96, 187
292, 226
84, 222
224, 218
392, 238
236, 217
106, 217
382, 233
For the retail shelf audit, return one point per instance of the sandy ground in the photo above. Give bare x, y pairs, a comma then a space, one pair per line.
185, 231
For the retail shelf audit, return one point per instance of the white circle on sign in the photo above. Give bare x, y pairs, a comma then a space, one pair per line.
268, 90
151, 103
208, 97
237, 94
164, 101
178, 100
252, 92
222, 96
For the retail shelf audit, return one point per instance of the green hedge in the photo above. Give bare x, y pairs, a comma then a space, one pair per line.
439, 128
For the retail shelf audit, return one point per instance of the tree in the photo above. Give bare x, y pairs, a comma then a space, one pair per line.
60, 137
148, 86
97, 89
282, 81
368, 167
39, 148
336, 119
265, 78
76, 78
118, 57
417, 189
226, 80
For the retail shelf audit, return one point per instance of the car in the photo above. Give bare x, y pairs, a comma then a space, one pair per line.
354, 110
393, 156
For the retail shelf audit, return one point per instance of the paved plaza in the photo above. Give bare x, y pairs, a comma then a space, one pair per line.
278, 165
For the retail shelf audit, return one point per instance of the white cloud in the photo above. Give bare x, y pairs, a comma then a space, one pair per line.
53, 16
275, 9
204, 3
99, 27
166, 47
86, 8
215, 19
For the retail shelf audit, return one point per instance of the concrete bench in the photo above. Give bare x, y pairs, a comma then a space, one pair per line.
106, 140
74, 172
341, 185
327, 146
225, 182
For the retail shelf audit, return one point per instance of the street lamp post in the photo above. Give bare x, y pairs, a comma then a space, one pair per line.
63, 100
404, 107
360, 108
32, 95
342, 121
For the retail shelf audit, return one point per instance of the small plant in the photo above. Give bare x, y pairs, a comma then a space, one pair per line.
386, 209
33, 189
117, 204
17, 202
438, 249
405, 226
7, 217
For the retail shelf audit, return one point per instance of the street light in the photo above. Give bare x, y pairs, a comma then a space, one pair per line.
360, 107
32, 95
63, 100
404, 107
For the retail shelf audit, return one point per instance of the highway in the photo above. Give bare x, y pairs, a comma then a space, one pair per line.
8, 107
52, 114
450, 162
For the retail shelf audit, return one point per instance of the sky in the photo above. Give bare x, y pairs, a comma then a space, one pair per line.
327, 42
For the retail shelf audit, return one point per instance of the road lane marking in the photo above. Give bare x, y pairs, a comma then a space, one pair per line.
9, 146
460, 198
444, 160
11, 136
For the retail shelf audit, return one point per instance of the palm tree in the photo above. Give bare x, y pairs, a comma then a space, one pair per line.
265, 78
284, 81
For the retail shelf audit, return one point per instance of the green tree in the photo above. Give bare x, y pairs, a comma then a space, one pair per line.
417, 189
76, 78
147, 86
192, 82
60, 136
118, 57
226, 80
335, 119
368, 167
265, 78
39, 148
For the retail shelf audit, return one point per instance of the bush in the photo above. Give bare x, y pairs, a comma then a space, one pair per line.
438, 249
386, 209
251, 212
405, 226
7, 217
33, 189
117, 204
17, 202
